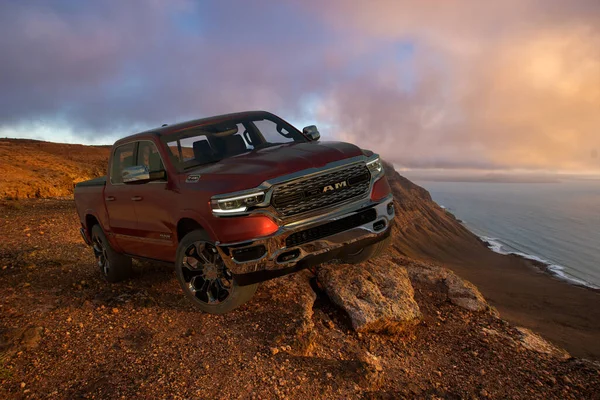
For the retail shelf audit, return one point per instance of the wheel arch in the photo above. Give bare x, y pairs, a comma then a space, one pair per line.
90, 221
186, 225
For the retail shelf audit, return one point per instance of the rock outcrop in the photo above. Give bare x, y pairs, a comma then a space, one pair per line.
377, 295
13, 341
460, 292
298, 334
535, 342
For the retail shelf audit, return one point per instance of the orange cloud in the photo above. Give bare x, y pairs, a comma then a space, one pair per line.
508, 85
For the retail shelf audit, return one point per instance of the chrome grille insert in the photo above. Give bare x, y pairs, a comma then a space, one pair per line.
322, 190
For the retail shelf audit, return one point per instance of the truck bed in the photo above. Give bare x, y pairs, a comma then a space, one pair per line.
101, 181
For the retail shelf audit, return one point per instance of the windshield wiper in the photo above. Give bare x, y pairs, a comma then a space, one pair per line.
265, 145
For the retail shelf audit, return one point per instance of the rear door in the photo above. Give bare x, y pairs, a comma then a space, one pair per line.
118, 199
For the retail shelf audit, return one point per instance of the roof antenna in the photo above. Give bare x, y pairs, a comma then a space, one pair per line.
163, 125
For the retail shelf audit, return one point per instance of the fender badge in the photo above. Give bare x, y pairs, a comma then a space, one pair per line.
192, 179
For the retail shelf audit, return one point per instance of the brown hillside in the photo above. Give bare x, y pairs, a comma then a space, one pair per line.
32, 168
423, 231
517, 287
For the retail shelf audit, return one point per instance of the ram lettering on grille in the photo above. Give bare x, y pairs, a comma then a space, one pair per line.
323, 190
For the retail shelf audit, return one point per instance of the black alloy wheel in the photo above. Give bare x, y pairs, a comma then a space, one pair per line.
100, 253
205, 273
114, 266
205, 278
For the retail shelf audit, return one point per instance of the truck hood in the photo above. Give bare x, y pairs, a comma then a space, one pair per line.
251, 169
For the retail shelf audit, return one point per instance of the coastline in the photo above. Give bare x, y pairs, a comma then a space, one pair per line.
522, 291
527, 294
554, 224
497, 246
554, 270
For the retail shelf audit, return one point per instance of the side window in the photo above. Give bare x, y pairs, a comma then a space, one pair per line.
122, 158
149, 157
191, 148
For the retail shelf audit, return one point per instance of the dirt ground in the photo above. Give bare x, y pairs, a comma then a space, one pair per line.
66, 333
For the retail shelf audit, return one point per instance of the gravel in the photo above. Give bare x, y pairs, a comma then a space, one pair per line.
66, 333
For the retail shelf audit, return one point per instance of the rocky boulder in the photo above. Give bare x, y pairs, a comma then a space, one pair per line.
464, 294
377, 295
460, 292
535, 342
293, 296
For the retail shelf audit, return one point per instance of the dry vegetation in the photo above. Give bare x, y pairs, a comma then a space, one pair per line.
35, 169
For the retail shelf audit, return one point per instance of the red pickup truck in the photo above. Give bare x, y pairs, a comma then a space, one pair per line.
234, 200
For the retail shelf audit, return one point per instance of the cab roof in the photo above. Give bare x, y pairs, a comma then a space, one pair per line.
170, 129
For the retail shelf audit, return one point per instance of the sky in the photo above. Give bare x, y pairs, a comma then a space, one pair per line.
477, 85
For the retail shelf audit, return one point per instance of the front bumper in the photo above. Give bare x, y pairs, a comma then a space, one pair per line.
291, 248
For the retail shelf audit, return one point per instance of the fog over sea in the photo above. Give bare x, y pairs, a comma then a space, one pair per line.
555, 223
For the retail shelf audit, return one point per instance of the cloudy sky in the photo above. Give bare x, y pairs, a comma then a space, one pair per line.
432, 84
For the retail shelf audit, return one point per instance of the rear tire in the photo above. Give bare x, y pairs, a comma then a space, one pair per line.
369, 252
205, 279
114, 266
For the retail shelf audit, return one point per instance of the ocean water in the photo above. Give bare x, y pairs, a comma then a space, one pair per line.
555, 223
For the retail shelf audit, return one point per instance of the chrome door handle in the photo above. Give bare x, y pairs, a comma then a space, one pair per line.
109, 198
137, 198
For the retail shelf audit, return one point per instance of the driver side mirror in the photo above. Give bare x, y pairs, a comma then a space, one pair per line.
311, 132
140, 174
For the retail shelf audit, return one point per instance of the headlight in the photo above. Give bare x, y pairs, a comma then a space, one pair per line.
375, 167
237, 204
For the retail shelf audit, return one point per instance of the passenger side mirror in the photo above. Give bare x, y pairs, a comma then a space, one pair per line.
311, 132
140, 174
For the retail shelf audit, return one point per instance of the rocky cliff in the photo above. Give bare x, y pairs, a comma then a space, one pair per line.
423, 229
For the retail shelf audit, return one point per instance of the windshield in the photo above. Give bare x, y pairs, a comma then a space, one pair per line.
211, 143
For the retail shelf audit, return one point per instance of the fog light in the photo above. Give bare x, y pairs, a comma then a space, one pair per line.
290, 255
390, 208
379, 225
249, 253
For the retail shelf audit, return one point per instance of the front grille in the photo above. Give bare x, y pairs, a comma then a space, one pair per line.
331, 228
326, 189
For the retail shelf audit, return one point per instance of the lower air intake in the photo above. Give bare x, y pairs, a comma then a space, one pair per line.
331, 228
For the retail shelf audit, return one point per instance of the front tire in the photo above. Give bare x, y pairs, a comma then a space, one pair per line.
114, 266
205, 279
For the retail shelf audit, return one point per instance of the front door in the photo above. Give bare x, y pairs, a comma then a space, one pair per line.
118, 199
153, 208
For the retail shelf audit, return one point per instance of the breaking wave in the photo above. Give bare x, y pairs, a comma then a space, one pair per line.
497, 246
